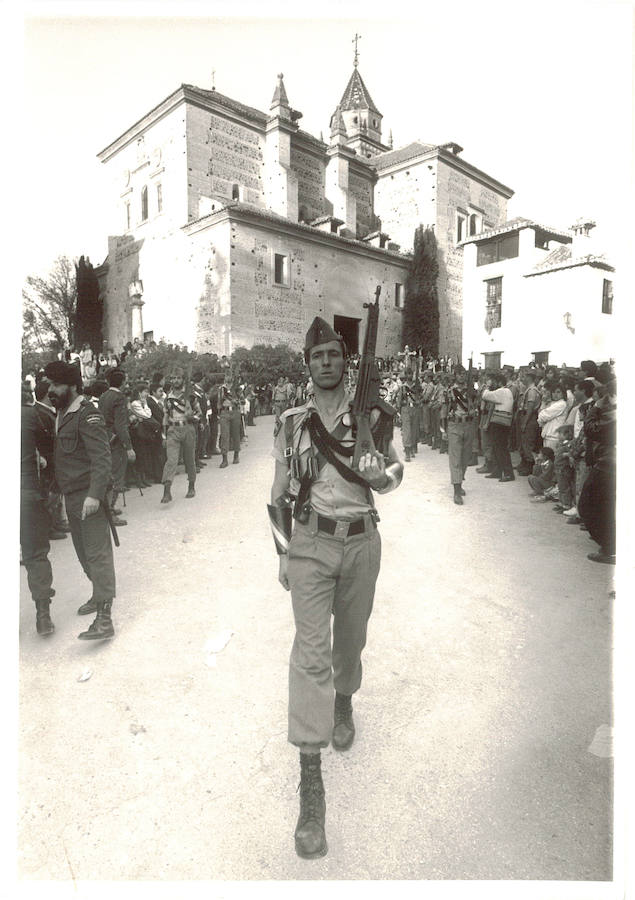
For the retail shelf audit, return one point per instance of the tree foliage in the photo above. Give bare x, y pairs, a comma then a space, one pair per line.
420, 325
50, 307
89, 313
263, 363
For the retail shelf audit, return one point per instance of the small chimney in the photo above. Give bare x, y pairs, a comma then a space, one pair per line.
582, 242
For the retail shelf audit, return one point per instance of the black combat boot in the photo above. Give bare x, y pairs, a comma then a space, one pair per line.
344, 727
224, 463
43, 622
89, 607
102, 627
190, 490
310, 839
167, 496
236, 458
458, 494
407, 452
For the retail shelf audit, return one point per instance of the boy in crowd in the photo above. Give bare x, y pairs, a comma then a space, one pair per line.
543, 477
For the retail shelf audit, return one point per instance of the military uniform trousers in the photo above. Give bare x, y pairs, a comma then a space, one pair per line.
435, 426
35, 523
328, 576
91, 539
425, 420
460, 440
119, 464
408, 425
528, 437
180, 436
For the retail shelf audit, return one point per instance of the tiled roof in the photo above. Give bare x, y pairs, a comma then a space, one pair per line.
248, 111
356, 95
515, 225
563, 258
271, 216
392, 157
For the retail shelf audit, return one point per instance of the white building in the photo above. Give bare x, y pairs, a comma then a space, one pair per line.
531, 292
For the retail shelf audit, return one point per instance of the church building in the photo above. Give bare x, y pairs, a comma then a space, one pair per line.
234, 227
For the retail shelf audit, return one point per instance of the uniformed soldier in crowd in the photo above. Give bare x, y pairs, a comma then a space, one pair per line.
528, 406
180, 433
436, 402
459, 425
59, 526
330, 564
83, 473
280, 398
114, 408
34, 516
405, 403
427, 389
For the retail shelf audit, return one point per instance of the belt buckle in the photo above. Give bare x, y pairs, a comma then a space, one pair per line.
341, 529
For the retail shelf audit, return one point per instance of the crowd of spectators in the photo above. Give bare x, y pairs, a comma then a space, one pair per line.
561, 422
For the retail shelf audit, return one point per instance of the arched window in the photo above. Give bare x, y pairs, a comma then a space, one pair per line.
235, 192
144, 203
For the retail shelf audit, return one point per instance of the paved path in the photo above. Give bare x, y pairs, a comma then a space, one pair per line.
483, 720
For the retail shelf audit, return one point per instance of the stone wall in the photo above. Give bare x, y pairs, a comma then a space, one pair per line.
310, 170
157, 157
220, 154
404, 200
325, 279
457, 190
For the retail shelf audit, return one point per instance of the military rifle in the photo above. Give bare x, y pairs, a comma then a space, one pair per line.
368, 384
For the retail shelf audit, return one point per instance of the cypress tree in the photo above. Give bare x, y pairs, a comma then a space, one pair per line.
88, 327
420, 324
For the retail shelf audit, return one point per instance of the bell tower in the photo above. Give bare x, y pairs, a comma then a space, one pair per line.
361, 118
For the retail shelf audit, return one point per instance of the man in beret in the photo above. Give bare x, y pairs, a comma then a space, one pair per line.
330, 562
83, 474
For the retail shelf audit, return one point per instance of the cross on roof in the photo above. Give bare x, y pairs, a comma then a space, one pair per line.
354, 41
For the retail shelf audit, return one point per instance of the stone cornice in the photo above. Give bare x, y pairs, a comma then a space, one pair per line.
183, 94
268, 221
456, 163
166, 106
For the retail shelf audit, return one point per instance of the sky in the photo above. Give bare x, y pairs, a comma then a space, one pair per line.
539, 96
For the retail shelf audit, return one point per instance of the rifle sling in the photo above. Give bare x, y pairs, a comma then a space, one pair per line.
326, 443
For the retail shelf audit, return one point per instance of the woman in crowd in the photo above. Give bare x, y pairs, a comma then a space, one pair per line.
143, 430
552, 416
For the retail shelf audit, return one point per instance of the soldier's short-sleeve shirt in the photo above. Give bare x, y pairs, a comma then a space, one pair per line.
331, 494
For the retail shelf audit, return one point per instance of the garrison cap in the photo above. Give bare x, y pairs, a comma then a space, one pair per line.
60, 372
320, 332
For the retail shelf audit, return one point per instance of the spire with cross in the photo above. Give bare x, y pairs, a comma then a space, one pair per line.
354, 41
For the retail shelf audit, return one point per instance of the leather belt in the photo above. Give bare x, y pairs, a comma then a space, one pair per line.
335, 526
179, 424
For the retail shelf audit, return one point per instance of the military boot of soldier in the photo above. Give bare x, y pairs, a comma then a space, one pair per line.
344, 727
236, 458
43, 623
89, 607
190, 490
167, 494
310, 839
102, 627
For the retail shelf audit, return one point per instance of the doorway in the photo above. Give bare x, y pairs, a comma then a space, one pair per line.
349, 330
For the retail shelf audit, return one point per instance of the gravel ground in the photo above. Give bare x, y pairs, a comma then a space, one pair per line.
483, 748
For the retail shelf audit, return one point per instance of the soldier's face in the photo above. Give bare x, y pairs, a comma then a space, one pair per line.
177, 382
60, 395
326, 365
